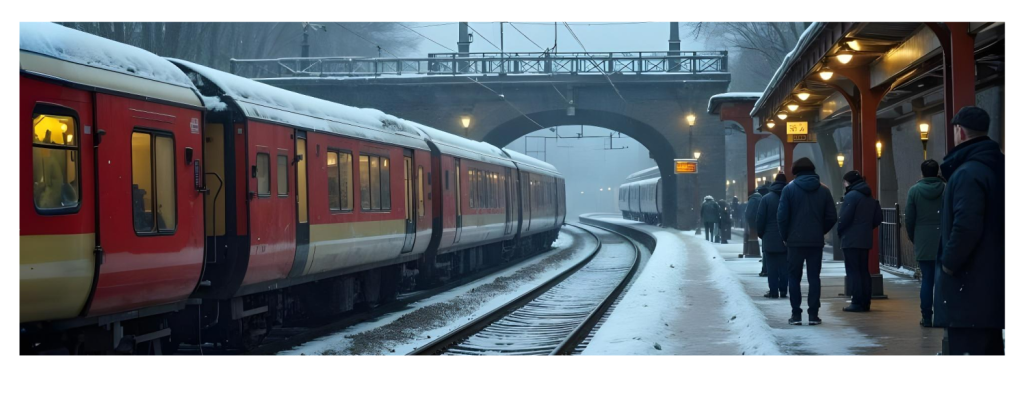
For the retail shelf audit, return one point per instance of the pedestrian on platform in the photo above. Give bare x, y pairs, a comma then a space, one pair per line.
750, 216
724, 223
735, 212
774, 251
924, 208
709, 215
970, 291
805, 216
858, 218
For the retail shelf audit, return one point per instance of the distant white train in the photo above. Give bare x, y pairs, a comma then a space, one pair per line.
640, 196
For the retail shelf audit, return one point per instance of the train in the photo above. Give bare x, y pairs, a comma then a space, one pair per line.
164, 202
640, 198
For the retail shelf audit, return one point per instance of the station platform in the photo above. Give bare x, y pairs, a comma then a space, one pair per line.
711, 301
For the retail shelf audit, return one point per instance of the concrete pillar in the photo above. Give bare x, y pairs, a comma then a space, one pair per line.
463, 44
673, 45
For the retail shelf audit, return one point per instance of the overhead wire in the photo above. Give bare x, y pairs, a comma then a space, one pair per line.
598, 66
527, 37
482, 36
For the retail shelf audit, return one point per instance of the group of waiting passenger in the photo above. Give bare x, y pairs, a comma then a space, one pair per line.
955, 222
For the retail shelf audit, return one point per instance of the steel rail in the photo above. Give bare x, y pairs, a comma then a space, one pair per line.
579, 332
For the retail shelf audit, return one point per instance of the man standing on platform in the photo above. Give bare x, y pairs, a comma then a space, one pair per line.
924, 209
768, 230
709, 215
750, 217
970, 291
805, 216
858, 218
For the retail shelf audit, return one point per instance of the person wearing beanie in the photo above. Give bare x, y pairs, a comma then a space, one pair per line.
858, 218
750, 216
970, 283
709, 214
924, 209
774, 250
805, 215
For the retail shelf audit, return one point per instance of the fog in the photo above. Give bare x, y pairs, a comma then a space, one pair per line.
594, 165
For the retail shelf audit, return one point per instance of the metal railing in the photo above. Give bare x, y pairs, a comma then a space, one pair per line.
896, 249
681, 62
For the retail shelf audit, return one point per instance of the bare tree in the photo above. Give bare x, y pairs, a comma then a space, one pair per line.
761, 47
214, 44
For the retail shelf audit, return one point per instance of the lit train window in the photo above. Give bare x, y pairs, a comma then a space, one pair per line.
372, 170
419, 191
154, 205
339, 180
55, 184
282, 175
263, 174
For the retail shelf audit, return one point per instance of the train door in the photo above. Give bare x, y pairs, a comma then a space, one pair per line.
151, 212
410, 201
272, 227
301, 205
527, 204
458, 200
506, 181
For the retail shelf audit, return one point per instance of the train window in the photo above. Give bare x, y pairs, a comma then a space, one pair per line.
446, 179
282, 175
339, 180
385, 183
154, 205
472, 200
408, 188
372, 169
419, 191
263, 174
55, 169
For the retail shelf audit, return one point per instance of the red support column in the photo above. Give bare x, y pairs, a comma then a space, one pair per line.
958, 70
787, 164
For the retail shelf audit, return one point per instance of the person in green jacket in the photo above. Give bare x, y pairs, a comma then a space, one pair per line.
924, 205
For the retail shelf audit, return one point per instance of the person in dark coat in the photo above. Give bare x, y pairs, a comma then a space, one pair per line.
736, 214
970, 291
709, 215
924, 207
751, 218
724, 222
858, 218
774, 251
806, 214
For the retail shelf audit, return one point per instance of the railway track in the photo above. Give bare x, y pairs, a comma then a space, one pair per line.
287, 337
556, 318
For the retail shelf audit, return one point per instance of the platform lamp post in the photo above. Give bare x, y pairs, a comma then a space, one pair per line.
924, 137
465, 125
691, 119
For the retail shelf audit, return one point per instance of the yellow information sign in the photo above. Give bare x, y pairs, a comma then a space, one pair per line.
686, 166
796, 128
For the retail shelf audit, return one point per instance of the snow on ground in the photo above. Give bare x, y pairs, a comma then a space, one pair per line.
401, 332
671, 310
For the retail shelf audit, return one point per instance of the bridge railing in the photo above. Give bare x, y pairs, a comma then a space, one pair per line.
681, 62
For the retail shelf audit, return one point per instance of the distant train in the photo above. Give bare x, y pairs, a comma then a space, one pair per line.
640, 198
165, 202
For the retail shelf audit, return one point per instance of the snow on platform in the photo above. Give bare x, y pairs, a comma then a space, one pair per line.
891, 328
684, 302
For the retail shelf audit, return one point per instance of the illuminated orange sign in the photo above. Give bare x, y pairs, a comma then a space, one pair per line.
686, 166
796, 128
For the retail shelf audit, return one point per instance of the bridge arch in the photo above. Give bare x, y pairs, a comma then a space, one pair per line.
656, 142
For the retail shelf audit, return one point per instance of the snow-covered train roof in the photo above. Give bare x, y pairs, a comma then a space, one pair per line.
644, 174
56, 51
264, 102
458, 146
537, 165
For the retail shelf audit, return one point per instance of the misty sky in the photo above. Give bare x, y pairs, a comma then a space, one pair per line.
596, 37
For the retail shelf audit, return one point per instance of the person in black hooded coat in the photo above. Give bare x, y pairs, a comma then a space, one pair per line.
970, 290
773, 248
858, 218
806, 214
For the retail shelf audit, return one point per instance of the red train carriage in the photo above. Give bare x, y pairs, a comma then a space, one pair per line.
111, 216
318, 190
